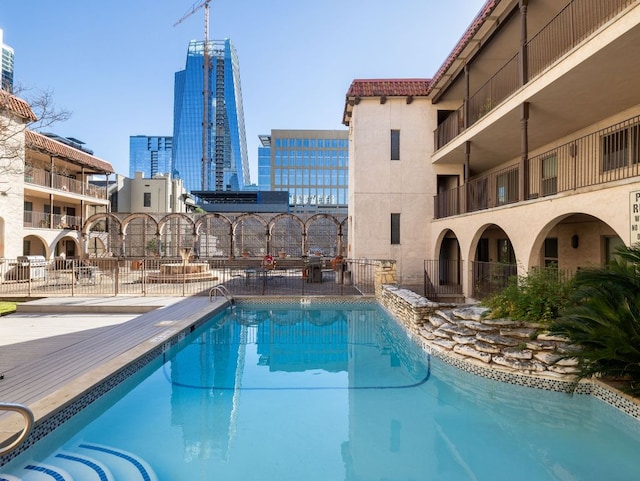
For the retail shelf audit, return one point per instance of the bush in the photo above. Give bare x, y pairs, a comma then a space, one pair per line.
603, 320
537, 296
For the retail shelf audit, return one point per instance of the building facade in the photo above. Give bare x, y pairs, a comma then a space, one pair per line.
158, 194
312, 165
150, 155
528, 135
218, 162
6, 78
46, 194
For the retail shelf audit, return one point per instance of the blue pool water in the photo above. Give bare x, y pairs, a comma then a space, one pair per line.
332, 393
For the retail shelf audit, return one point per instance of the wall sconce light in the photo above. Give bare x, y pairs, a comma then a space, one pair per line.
575, 240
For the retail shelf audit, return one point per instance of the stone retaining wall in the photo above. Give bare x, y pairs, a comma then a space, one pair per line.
499, 349
465, 333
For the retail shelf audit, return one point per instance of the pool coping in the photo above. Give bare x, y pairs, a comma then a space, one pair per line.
57, 407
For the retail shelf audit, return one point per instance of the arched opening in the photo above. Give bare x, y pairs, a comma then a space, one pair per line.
494, 262
443, 277
576, 241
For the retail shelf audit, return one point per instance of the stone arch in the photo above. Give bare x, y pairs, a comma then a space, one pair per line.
38, 246
213, 235
325, 231
140, 236
177, 234
102, 229
492, 260
67, 244
250, 234
286, 234
449, 259
574, 240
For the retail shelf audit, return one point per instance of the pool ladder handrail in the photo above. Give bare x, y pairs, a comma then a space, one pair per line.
29, 421
223, 292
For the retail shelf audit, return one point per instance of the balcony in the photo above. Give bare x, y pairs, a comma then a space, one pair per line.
608, 155
569, 28
62, 183
51, 221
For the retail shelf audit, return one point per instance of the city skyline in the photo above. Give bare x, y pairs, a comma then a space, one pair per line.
297, 61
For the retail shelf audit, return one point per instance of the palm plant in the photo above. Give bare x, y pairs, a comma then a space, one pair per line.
603, 319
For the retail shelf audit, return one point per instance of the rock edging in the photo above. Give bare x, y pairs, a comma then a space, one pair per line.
466, 333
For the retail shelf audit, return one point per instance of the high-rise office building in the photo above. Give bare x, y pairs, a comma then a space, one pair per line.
6, 80
150, 155
312, 165
226, 163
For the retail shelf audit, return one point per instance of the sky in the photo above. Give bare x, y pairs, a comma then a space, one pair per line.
112, 63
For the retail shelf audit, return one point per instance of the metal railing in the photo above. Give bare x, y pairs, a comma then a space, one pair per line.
484, 192
51, 221
442, 279
608, 155
572, 25
166, 276
490, 277
29, 420
60, 182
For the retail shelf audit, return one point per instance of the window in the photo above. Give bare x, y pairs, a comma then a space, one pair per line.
395, 145
620, 149
147, 199
395, 228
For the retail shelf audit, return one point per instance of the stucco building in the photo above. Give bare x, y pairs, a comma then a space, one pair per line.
45, 195
521, 151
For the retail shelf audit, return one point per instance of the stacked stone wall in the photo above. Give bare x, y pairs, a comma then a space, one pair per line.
465, 332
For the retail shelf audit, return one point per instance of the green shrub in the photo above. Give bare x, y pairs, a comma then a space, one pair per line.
603, 320
537, 296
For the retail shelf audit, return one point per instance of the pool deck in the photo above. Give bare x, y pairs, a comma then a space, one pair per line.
52, 350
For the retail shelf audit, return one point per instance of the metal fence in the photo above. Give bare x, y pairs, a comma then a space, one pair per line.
178, 277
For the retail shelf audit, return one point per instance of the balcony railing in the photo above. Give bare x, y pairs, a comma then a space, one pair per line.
578, 20
484, 192
51, 221
605, 156
60, 182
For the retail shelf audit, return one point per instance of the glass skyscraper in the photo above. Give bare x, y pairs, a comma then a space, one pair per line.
227, 164
6, 79
149, 155
312, 165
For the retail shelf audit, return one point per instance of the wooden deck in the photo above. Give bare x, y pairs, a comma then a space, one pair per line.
48, 373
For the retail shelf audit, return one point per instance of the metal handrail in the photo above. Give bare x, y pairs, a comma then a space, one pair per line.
223, 291
29, 420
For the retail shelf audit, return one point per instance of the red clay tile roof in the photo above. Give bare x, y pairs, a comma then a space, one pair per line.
415, 87
477, 22
16, 105
41, 142
388, 87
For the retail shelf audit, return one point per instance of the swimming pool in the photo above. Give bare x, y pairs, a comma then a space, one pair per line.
328, 392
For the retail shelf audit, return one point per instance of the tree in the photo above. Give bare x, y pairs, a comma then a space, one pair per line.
35, 110
603, 320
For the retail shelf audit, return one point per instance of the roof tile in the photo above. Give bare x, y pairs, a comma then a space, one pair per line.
17, 106
38, 141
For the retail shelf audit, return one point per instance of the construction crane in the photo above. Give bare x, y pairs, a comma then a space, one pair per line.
205, 89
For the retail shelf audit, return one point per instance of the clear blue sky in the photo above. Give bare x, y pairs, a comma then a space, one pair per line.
112, 62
